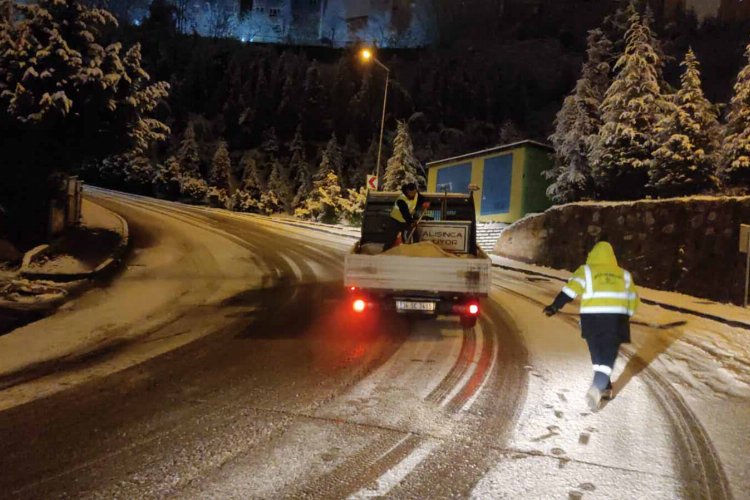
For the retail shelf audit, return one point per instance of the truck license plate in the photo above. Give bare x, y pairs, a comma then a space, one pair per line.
406, 305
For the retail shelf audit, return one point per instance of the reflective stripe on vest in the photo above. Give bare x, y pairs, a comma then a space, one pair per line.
606, 302
411, 205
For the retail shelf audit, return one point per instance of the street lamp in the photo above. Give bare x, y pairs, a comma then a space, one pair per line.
367, 56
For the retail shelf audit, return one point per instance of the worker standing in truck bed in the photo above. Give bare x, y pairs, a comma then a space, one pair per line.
402, 214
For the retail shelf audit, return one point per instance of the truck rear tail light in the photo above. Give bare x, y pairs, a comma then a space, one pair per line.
471, 309
359, 305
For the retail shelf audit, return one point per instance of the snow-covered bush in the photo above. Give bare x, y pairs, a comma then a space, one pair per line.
242, 201
353, 206
195, 190
324, 204
270, 203
217, 197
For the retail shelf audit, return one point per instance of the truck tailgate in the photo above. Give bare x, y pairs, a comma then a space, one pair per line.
425, 274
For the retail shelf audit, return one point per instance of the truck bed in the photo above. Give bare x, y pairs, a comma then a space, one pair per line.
470, 275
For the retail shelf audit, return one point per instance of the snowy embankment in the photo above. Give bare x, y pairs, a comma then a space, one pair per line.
706, 360
49, 273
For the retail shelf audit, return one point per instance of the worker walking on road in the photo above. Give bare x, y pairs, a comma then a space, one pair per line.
608, 300
402, 214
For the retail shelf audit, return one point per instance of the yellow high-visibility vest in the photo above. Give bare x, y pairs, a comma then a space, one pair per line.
396, 212
604, 287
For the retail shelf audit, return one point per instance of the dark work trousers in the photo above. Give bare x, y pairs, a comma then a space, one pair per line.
603, 355
604, 333
391, 232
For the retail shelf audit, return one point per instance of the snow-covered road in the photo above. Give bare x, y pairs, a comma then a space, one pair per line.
223, 362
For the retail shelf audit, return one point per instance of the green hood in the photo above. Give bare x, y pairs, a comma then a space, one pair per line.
602, 255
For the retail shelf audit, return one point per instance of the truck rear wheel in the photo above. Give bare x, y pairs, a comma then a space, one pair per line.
468, 321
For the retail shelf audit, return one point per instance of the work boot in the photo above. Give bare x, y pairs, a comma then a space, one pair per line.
594, 398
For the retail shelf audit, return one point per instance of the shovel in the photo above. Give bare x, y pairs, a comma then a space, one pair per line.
411, 234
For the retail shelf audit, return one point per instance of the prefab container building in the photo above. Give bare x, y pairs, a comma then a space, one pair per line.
509, 178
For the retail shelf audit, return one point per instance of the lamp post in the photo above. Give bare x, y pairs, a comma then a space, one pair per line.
367, 56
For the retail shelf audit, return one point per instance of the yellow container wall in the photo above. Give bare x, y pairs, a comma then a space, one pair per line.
477, 177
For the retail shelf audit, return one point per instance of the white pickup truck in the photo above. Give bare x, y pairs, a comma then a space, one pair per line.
450, 283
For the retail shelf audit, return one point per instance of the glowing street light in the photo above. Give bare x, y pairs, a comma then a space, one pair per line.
367, 56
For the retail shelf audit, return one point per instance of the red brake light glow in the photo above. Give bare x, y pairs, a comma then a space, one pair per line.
359, 305
473, 309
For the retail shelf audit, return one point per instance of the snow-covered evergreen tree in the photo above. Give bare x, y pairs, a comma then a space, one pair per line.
313, 104
278, 184
632, 106
68, 96
735, 163
353, 172
403, 167
221, 166
188, 156
251, 182
577, 125
332, 160
299, 169
324, 202
685, 162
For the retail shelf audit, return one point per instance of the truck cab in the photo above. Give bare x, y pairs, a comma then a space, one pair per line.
450, 281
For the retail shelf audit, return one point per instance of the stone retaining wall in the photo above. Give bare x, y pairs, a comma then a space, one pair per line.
688, 245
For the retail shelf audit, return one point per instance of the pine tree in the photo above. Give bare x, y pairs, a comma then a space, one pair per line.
332, 160
168, 177
370, 162
278, 184
736, 145
578, 123
288, 113
352, 175
299, 169
188, 156
689, 138
633, 104
313, 103
251, 182
402, 167
221, 166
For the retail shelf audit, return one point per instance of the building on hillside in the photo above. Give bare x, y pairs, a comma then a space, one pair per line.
509, 178
332, 22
